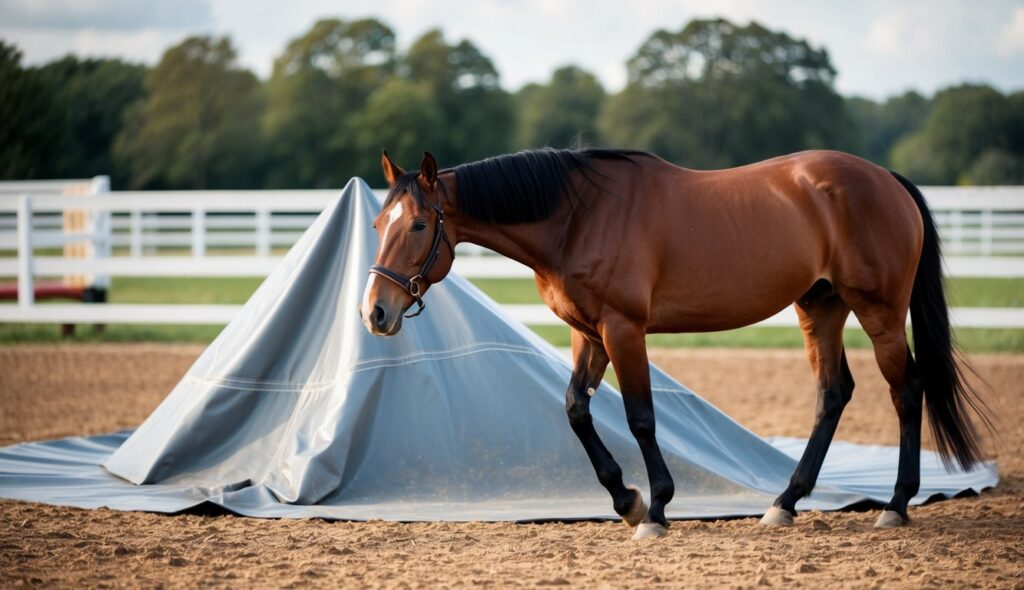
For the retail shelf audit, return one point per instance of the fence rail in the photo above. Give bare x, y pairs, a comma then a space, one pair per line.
972, 220
144, 234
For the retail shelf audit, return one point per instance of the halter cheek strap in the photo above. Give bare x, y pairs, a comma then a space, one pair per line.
414, 285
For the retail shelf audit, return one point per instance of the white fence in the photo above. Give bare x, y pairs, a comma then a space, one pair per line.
981, 220
236, 233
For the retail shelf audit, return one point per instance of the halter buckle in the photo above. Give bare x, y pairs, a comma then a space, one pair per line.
415, 286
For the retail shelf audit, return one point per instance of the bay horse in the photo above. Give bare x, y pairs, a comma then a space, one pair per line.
625, 244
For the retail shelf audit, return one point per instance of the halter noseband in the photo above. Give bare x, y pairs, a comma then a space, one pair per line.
414, 285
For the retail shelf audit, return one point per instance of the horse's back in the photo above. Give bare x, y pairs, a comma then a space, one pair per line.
729, 247
823, 201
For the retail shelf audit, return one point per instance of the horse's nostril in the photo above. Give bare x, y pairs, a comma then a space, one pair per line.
379, 317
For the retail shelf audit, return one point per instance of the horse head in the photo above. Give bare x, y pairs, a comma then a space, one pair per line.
414, 250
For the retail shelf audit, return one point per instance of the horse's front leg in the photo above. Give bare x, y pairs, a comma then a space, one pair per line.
589, 364
627, 349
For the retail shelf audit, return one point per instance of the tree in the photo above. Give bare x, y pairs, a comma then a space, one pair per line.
29, 125
1015, 129
402, 117
477, 116
880, 126
199, 125
995, 167
316, 95
563, 113
723, 94
964, 121
651, 119
90, 98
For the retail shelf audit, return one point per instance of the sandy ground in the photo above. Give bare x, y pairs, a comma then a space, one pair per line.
50, 392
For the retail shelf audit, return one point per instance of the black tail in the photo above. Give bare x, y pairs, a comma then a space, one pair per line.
949, 398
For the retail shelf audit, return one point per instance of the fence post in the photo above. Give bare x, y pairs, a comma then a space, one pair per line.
198, 232
986, 232
956, 220
262, 232
102, 230
26, 279
135, 230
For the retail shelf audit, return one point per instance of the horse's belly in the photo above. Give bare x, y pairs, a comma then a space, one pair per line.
727, 305
712, 319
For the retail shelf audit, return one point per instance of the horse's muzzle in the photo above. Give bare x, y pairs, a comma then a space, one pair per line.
380, 322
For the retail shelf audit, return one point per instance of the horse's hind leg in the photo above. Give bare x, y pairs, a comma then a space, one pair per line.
908, 399
886, 326
822, 319
589, 364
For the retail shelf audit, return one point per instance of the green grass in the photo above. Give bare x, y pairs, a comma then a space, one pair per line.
510, 290
184, 290
146, 290
985, 292
971, 340
962, 292
50, 333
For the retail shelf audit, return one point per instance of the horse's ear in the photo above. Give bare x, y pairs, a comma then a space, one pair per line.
392, 171
428, 170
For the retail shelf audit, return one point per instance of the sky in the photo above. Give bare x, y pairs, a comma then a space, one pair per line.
879, 47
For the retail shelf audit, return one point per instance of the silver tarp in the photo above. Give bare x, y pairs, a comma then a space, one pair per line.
296, 411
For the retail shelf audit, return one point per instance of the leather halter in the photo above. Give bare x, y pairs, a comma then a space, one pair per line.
414, 285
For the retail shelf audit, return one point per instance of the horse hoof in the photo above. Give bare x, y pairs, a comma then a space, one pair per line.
777, 517
889, 519
638, 511
648, 530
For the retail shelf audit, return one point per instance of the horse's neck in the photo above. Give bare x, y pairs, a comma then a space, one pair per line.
528, 244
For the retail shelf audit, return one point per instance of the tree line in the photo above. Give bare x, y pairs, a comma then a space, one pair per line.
711, 94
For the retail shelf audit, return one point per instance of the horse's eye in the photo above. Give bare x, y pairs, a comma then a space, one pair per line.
419, 225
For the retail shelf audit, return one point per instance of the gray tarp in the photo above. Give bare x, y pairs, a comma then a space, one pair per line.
296, 411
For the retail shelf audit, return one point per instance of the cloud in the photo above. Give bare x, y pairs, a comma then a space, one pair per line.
878, 46
144, 45
1010, 42
901, 33
104, 14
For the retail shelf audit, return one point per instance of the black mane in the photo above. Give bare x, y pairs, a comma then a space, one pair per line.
526, 186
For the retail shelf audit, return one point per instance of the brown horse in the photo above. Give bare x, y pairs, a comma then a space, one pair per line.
625, 244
